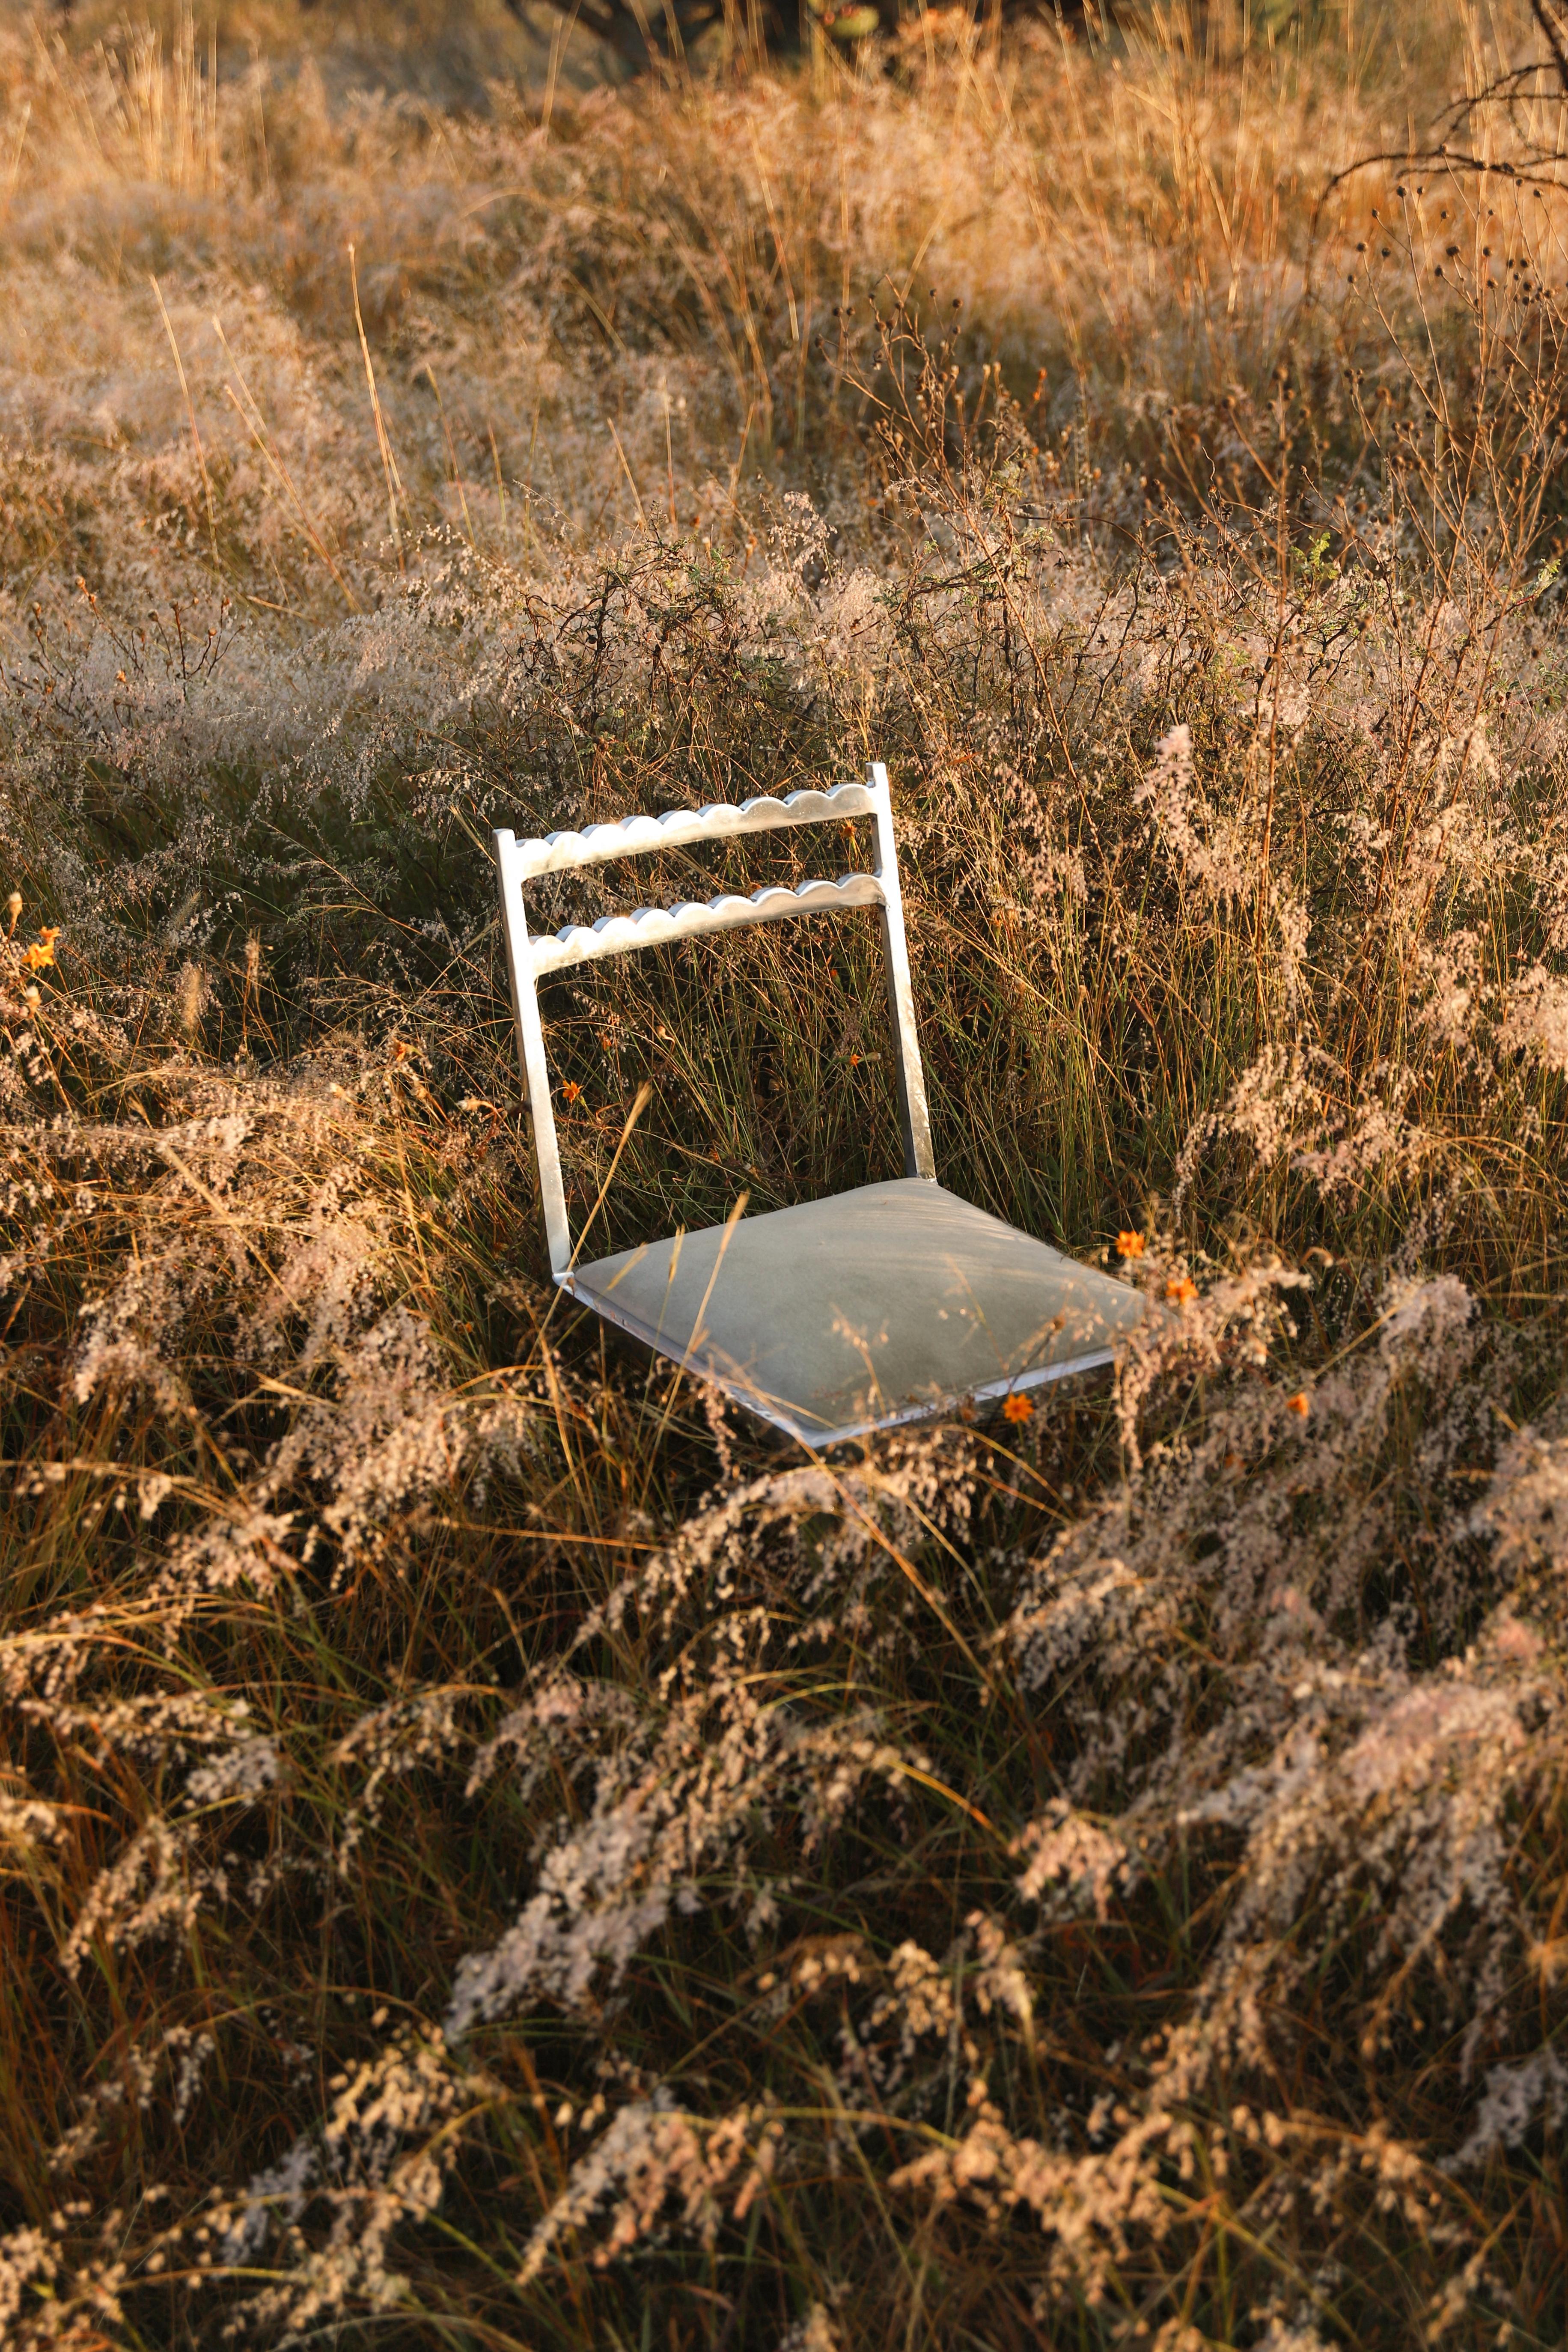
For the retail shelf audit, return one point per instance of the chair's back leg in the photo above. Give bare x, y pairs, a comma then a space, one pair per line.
531, 1048
915, 1119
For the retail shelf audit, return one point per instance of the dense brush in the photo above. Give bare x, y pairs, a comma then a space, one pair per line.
492, 1853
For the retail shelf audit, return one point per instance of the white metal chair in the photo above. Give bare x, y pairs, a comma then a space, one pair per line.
886, 1304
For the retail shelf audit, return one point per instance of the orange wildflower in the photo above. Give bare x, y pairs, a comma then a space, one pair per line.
1182, 1290
42, 952
571, 1092
1300, 1404
1017, 1408
1131, 1244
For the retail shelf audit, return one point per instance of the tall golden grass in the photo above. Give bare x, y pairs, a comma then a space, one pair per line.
493, 1856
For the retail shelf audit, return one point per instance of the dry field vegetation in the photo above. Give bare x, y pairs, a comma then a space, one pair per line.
493, 1856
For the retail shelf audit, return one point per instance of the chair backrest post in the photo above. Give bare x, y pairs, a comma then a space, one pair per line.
919, 1160
530, 1049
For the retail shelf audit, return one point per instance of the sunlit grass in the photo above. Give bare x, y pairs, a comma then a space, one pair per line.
494, 1853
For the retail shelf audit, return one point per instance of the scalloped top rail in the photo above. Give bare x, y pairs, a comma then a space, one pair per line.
636, 837
653, 926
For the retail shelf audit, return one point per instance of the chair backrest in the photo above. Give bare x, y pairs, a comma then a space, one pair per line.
561, 853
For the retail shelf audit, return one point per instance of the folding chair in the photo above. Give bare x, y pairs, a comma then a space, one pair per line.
887, 1304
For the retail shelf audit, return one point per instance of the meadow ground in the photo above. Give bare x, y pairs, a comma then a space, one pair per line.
493, 1856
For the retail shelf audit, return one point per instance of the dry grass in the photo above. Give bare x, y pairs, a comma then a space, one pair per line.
492, 1856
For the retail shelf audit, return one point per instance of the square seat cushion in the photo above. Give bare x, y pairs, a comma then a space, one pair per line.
870, 1308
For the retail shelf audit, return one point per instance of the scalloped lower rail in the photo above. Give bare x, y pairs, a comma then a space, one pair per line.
654, 925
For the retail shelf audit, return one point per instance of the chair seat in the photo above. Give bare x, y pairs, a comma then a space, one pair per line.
873, 1307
